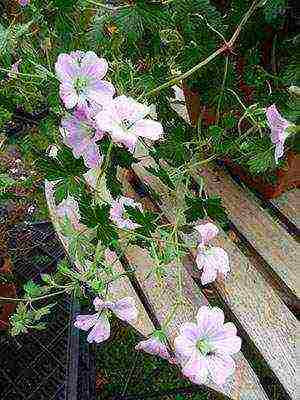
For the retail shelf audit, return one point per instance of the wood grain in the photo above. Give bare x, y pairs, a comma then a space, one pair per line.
269, 323
269, 239
289, 204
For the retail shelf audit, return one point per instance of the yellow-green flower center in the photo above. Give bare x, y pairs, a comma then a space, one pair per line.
204, 347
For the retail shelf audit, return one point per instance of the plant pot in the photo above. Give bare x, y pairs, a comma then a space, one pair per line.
286, 178
6, 290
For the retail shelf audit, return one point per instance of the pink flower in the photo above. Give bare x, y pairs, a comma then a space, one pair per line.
24, 3
80, 74
205, 348
155, 346
79, 133
124, 119
211, 259
124, 309
118, 212
278, 126
110, 256
14, 70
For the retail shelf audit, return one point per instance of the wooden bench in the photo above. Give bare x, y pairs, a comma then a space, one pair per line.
260, 295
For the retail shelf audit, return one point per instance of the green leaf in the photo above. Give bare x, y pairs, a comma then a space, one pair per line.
163, 175
32, 289
199, 208
144, 218
106, 232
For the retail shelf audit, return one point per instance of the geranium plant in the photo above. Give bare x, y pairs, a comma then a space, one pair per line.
102, 105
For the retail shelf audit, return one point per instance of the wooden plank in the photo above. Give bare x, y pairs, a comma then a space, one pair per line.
163, 296
269, 239
269, 323
119, 288
289, 204
243, 385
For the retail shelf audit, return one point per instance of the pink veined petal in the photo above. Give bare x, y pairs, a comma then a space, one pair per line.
212, 260
190, 330
105, 120
147, 128
279, 150
226, 340
92, 65
91, 156
98, 303
126, 309
196, 369
85, 322
207, 232
210, 320
110, 256
65, 67
102, 97
130, 110
101, 330
155, 347
184, 347
208, 275
220, 367
126, 138
68, 95
104, 87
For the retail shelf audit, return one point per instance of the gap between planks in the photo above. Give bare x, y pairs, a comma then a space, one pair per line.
271, 326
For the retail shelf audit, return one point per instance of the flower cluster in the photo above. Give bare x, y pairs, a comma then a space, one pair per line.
212, 260
96, 110
124, 309
202, 349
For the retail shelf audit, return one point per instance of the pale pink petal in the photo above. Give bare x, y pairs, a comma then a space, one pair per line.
101, 330
226, 340
92, 65
196, 369
68, 95
85, 322
208, 275
105, 119
220, 367
126, 309
155, 347
190, 331
99, 304
207, 232
279, 150
147, 128
209, 320
91, 156
212, 260
184, 347
65, 67
129, 109
277, 124
128, 139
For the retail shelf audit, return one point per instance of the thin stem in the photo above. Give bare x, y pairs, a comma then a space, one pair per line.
105, 166
32, 300
228, 45
222, 89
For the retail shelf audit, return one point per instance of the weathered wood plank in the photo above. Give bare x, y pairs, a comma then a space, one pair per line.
243, 385
269, 323
269, 239
119, 288
163, 296
289, 204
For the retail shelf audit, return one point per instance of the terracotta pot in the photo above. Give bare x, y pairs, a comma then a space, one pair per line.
6, 290
287, 178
